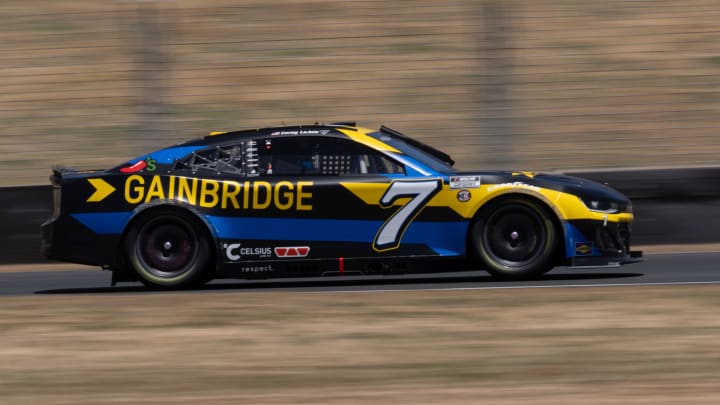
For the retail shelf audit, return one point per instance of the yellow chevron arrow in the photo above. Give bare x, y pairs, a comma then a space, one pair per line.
102, 190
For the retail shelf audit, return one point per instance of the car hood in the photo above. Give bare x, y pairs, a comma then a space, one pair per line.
585, 189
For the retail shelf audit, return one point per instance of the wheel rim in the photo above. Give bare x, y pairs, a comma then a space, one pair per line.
514, 236
167, 249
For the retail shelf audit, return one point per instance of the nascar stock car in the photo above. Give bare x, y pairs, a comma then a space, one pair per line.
322, 200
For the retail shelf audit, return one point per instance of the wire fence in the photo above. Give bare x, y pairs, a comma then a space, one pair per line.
541, 84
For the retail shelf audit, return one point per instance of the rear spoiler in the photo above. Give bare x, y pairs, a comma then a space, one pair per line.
58, 172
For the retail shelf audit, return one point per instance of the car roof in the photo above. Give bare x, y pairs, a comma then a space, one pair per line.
281, 131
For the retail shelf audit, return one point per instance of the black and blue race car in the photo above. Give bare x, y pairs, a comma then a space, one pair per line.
321, 200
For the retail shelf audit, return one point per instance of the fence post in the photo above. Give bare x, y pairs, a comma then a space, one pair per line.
495, 83
153, 66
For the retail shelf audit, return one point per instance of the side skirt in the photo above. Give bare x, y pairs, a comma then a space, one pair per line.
340, 267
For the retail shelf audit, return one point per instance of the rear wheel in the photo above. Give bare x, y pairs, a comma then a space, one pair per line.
168, 249
515, 238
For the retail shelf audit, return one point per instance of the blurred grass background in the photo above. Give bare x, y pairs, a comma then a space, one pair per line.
656, 345
542, 84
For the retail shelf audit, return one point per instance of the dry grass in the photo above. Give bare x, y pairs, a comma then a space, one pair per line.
657, 345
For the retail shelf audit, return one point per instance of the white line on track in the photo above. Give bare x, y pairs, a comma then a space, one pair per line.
521, 287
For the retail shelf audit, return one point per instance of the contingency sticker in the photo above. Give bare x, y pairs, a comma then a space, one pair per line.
583, 248
460, 182
464, 195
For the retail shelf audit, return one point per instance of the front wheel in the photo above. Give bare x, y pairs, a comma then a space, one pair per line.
168, 249
515, 239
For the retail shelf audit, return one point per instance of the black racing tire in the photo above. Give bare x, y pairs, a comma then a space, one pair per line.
515, 238
169, 249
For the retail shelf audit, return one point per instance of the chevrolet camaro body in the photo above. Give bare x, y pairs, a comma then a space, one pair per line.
326, 200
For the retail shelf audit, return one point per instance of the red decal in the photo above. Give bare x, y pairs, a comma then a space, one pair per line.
135, 167
292, 251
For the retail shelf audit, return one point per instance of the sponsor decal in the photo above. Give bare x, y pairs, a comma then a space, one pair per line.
464, 195
461, 182
151, 164
256, 269
235, 252
134, 168
516, 184
292, 251
148, 164
230, 194
583, 248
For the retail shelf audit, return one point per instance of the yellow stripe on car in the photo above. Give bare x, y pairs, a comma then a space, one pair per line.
361, 135
566, 206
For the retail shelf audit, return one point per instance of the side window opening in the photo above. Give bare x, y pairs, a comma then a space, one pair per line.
292, 156
239, 159
314, 156
289, 157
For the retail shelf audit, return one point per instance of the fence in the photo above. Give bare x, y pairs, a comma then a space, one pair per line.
542, 84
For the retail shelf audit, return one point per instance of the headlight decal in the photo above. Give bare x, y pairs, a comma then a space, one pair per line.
604, 206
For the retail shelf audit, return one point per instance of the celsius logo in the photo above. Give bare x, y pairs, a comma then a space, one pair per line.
292, 251
234, 252
230, 249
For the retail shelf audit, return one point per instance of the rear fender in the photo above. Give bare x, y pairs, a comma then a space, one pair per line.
154, 204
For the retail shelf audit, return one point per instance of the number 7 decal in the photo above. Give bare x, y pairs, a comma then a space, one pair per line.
420, 192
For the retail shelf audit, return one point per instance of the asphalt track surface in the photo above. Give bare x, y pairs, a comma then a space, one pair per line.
656, 269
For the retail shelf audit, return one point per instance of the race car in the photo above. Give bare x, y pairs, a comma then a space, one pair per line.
326, 200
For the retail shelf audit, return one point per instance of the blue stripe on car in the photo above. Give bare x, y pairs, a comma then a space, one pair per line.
167, 156
573, 235
104, 223
445, 238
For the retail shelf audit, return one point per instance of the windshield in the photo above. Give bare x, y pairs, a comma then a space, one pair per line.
414, 152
